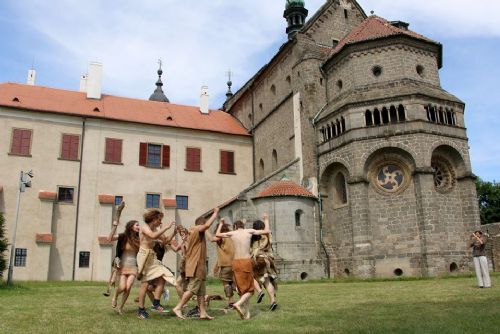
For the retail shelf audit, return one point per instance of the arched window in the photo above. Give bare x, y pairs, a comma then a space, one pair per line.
401, 113
393, 114
385, 115
328, 132
376, 116
323, 136
339, 130
275, 160
441, 116
433, 113
342, 124
334, 130
340, 195
428, 112
368, 118
273, 89
449, 118
298, 215
261, 168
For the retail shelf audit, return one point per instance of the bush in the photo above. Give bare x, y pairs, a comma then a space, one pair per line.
3, 245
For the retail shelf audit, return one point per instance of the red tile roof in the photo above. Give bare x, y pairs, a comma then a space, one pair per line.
372, 28
110, 107
285, 188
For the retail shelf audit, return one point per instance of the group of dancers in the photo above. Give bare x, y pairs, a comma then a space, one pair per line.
245, 263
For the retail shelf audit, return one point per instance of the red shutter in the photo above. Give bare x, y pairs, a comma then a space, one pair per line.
223, 161
65, 148
113, 150
118, 151
74, 145
25, 142
230, 162
166, 156
16, 141
193, 159
143, 154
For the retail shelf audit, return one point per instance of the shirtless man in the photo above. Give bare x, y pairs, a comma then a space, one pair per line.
242, 263
195, 266
149, 269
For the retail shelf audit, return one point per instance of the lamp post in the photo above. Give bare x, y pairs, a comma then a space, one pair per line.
24, 182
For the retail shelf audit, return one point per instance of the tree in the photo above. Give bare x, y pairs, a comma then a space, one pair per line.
488, 195
3, 244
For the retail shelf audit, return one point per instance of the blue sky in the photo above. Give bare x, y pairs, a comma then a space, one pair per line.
199, 41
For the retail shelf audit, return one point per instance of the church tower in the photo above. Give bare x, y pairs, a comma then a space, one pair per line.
158, 94
295, 14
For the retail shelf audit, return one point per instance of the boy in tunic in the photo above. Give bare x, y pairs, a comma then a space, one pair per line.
242, 262
149, 268
195, 266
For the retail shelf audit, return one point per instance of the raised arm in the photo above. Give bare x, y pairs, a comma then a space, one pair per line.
112, 235
266, 229
210, 221
154, 235
219, 234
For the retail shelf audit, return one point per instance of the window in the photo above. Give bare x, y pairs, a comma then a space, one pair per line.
227, 162
275, 160
118, 200
368, 118
70, 146
340, 195
21, 142
273, 89
113, 150
20, 257
84, 259
154, 155
298, 214
182, 202
377, 70
152, 201
65, 194
193, 159
261, 168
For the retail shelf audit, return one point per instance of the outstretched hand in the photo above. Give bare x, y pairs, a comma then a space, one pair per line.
265, 216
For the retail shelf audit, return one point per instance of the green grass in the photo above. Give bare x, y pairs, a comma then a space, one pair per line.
448, 305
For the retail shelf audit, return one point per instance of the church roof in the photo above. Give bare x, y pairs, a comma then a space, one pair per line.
373, 28
285, 189
73, 103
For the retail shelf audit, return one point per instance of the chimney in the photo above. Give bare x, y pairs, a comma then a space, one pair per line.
83, 83
94, 81
31, 77
204, 97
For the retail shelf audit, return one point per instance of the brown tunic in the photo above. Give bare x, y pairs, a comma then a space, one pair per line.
225, 253
196, 254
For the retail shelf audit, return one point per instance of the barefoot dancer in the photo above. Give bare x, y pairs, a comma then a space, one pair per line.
242, 263
223, 267
196, 270
264, 268
149, 268
127, 246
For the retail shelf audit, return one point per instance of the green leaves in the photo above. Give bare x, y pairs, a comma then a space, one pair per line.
488, 195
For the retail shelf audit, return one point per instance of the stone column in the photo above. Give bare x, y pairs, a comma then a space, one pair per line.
43, 236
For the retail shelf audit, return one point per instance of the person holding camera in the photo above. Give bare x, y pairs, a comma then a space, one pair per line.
478, 244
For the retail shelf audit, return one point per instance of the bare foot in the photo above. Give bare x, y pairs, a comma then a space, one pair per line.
113, 302
206, 317
178, 314
119, 311
247, 315
238, 309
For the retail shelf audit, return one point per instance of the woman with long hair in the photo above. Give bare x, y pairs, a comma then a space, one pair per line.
127, 248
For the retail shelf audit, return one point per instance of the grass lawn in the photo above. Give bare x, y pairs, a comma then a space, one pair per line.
448, 305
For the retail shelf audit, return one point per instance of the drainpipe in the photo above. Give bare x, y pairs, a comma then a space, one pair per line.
320, 201
78, 199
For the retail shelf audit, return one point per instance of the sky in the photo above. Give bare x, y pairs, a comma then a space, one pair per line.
199, 41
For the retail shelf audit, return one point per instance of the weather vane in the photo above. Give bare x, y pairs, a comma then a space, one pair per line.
159, 62
229, 73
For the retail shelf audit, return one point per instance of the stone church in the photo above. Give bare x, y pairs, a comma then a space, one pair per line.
345, 138
359, 154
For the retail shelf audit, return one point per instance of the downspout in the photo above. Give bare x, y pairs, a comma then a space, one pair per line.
78, 198
320, 201
253, 139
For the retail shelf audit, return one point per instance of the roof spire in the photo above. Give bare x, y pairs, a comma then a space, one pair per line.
158, 94
229, 94
295, 14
